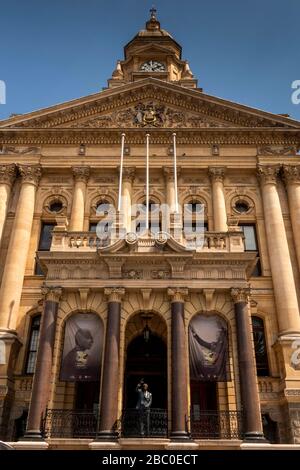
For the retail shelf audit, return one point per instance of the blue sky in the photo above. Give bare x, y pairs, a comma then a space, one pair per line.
54, 51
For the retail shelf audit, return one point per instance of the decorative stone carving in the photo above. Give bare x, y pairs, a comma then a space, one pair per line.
81, 173
240, 295
128, 174
178, 294
30, 173
215, 150
114, 294
267, 174
7, 174
292, 392
151, 114
291, 174
18, 150
133, 274
52, 293
276, 150
160, 274
217, 173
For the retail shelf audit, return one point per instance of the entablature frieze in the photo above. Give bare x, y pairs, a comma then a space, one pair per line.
146, 268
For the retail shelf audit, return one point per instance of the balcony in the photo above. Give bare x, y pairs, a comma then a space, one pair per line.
209, 242
83, 424
216, 425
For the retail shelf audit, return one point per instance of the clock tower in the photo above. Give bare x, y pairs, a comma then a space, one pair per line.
153, 53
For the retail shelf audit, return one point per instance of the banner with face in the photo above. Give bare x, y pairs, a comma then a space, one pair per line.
83, 345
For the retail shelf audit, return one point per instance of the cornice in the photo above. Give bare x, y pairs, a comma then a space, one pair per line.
229, 136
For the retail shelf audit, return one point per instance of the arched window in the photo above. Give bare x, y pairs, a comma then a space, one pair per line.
262, 365
33, 344
194, 216
155, 223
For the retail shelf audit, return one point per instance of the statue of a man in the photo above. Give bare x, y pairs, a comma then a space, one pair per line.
143, 405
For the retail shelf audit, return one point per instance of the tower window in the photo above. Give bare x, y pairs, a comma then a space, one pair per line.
260, 346
33, 344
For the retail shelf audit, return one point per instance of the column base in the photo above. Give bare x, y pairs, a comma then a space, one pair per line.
32, 436
103, 436
255, 437
179, 436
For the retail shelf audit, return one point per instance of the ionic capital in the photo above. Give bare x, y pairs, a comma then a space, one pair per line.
51, 293
7, 174
128, 174
267, 174
178, 294
217, 173
81, 173
114, 294
30, 174
240, 295
291, 174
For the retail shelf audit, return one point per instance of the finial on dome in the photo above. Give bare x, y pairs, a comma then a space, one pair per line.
153, 12
153, 24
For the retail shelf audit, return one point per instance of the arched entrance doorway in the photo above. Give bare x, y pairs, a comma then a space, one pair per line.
146, 358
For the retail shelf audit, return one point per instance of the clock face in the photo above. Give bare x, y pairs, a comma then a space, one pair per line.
153, 66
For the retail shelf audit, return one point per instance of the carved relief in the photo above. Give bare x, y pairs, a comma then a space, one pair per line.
18, 150
150, 114
276, 150
132, 274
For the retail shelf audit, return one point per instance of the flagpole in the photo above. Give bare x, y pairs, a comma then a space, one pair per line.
175, 172
147, 181
121, 172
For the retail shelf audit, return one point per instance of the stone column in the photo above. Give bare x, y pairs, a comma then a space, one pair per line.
7, 177
111, 365
170, 188
13, 274
280, 262
81, 175
175, 220
42, 376
127, 180
292, 182
219, 207
178, 365
247, 368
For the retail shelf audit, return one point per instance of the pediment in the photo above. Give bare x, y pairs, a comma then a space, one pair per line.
149, 103
152, 48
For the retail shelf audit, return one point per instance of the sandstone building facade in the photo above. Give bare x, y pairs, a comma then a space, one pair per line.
213, 329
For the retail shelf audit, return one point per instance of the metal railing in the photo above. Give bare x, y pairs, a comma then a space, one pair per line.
144, 423
216, 425
70, 424
59, 423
